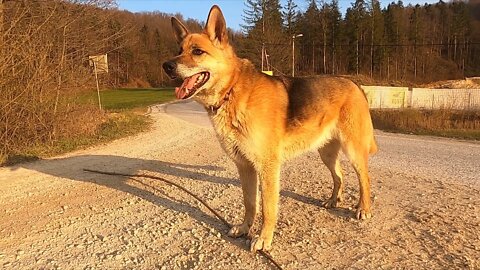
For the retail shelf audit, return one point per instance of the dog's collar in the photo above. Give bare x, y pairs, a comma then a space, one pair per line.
213, 109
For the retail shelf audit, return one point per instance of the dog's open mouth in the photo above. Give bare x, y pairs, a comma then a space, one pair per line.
191, 84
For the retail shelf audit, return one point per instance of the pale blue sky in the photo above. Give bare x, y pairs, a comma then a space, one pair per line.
232, 9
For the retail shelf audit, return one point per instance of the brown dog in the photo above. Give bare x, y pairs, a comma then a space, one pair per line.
261, 120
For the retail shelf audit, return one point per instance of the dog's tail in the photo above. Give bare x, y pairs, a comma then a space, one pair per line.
373, 146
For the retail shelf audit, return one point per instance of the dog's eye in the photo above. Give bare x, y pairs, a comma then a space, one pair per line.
197, 52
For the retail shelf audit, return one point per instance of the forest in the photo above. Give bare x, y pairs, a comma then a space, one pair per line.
415, 44
403, 43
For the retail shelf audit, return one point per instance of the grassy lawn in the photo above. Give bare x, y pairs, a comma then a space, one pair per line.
125, 98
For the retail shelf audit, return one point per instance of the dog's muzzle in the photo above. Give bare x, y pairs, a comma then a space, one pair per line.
170, 68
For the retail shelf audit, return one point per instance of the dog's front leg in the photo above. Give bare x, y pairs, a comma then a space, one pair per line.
270, 181
248, 178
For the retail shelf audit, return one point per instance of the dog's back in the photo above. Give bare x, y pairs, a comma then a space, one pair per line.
321, 108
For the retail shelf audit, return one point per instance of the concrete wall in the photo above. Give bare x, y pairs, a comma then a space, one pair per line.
384, 97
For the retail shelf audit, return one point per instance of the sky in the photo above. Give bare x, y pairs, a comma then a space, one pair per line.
232, 9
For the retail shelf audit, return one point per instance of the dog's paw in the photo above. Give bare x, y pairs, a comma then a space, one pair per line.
261, 243
363, 214
239, 230
332, 202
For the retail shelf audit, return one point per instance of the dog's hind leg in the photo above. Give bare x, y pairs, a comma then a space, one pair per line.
330, 157
358, 156
248, 178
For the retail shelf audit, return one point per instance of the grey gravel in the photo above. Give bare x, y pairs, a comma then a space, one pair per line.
56, 216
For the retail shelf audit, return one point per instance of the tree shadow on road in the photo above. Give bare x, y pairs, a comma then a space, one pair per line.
73, 168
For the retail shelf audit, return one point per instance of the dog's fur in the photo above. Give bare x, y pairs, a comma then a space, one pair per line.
262, 120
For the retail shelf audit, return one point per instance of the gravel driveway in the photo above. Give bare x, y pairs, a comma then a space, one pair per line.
426, 211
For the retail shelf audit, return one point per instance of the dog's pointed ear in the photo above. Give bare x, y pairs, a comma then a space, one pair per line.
216, 27
179, 30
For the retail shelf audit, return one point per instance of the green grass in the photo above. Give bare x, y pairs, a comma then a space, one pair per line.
125, 98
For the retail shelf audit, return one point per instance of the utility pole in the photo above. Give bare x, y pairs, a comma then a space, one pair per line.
293, 52
263, 33
263, 53
371, 41
98, 87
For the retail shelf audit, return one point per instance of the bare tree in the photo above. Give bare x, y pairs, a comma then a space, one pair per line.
44, 48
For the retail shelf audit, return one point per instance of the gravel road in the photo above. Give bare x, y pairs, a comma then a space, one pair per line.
426, 211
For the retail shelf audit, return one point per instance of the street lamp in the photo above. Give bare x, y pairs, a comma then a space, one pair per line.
293, 52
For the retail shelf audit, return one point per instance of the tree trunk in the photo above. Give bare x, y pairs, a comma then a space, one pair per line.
313, 57
388, 67
324, 51
357, 62
415, 63
333, 51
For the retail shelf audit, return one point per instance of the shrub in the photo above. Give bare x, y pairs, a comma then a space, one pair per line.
449, 123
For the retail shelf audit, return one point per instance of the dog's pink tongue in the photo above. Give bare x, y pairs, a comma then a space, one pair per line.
182, 91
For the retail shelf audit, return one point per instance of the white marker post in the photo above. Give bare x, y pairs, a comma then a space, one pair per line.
100, 65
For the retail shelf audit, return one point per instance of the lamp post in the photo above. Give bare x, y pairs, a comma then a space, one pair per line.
293, 52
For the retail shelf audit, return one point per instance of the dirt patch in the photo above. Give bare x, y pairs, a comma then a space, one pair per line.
473, 83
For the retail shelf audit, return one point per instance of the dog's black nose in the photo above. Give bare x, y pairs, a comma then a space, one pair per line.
169, 67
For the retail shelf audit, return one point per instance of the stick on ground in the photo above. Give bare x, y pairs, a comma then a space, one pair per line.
263, 253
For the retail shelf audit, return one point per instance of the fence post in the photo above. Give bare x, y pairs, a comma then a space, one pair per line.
469, 100
433, 100
410, 97
381, 99
98, 87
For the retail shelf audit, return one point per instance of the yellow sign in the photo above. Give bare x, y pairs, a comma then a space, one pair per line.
268, 72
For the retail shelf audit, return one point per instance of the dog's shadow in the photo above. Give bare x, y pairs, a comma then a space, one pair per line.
73, 168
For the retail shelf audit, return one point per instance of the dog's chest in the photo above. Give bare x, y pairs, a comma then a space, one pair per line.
229, 134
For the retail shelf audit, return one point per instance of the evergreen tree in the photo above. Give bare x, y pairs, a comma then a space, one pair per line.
356, 21
265, 40
253, 14
310, 27
376, 37
334, 19
290, 17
